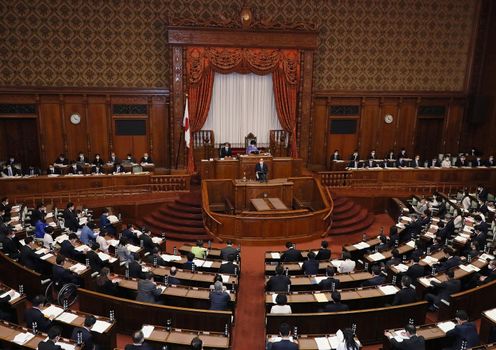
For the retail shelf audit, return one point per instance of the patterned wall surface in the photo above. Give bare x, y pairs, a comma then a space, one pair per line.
365, 44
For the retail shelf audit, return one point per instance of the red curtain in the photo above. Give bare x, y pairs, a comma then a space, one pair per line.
201, 63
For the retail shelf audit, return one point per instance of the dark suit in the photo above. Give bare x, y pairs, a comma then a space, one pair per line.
35, 216
68, 250
336, 307
278, 283
148, 244
261, 170
219, 300
105, 224
327, 283
62, 276
135, 270
10, 248
405, 296
482, 195
99, 162
118, 169
108, 287
13, 171
450, 263
29, 258
310, 267
77, 170
225, 152
96, 263
147, 291
96, 169
413, 343
466, 331
284, 345
32, 171
375, 281
226, 251
229, 268
48, 345
415, 271
70, 220
147, 160
86, 336
323, 254
61, 161
53, 171
35, 315
291, 255
150, 258
444, 291
483, 227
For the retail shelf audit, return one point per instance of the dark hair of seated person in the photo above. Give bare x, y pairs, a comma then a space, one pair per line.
336, 296
103, 276
281, 299
38, 300
324, 244
289, 245
330, 271
89, 321
196, 344
279, 269
311, 256
190, 256
284, 329
54, 332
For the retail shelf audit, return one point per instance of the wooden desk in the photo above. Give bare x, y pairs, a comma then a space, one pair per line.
309, 341
13, 274
17, 304
435, 337
9, 331
487, 326
260, 204
182, 337
348, 280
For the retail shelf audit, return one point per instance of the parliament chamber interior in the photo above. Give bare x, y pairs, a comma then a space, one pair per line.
247, 174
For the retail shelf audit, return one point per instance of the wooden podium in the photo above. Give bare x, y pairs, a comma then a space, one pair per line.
297, 208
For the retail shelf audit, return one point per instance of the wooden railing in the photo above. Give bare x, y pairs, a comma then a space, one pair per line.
211, 224
167, 183
336, 178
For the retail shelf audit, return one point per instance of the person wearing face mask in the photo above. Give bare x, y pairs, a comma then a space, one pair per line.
81, 159
75, 168
261, 171
225, 150
52, 170
61, 160
98, 160
113, 158
146, 159
416, 162
336, 155
10, 171
130, 158
38, 213
32, 171
10, 161
5, 207
490, 162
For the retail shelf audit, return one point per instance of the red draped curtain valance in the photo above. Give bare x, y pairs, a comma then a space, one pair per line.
202, 62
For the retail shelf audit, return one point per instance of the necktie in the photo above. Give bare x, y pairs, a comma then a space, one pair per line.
10, 172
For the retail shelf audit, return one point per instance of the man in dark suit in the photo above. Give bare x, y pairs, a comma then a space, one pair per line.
172, 279
417, 162
228, 250
32, 171
146, 159
336, 155
138, 342
330, 283
291, 254
98, 160
406, 294
324, 252
225, 150
118, 169
229, 267
280, 282
336, 305
378, 278
81, 158
285, 343
75, 168
354, 160
11, 245
97, 169
155, 259
188, 265
450, 260
444, 290
54, 334
60, 275
147, 289
311, 266
70, 217
11, 170
84, 333
261, 171
434, 163
34, 314
490, 162
67, 248
482, 193
463, 331
130, 235
490, 274
481, 225
61, 160
5, 208
96, 264
147, 244
415, 270
412, 341
28, 257
396, 258
105, 223
38, 214
114, 159
135, 269
52, 170
461, 162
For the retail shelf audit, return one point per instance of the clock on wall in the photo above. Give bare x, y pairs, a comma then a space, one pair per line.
388, 118
75, 118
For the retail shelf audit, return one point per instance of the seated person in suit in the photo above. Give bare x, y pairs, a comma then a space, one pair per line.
130, 234
6, 313
346, 265
279, 282
384, 243
449, 260
188, 265
52, 170
6, 208
146, 241
285, 343
104, 284
261, 171
172, 279
330, 283
97, 169
396, 258
406, 294
61, 160
354, 159
229, 267
443, 290
88, 235
491, 273
291, 254
32, 171
147, 289
154, 258
228, 250
372, 155
324, 253
129, 159
60, 275
81, 159
219, 299
311, 266
416, 162
252, 148
490, 162
146, 159
10, 161
461, 162
96, 263
281, 306
54, 335
113, 158
415, 270
105, 223
11, 245
463, 331
28, 256
34, 314
199, 251
378, 278
10, 171
412, 341
75, 168
83, 334
336, 155
434, 163
336, 305
67, 248
118, 169
138, 342
225, 150
98, 160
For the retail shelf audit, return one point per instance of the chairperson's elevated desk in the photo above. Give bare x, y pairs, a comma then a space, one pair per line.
272, 211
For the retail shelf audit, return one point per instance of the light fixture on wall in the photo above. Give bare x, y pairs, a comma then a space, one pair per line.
246, 17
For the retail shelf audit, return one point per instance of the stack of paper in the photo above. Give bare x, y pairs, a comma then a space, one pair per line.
334, 341
23, 338
406, 218
169, 258
82, 248
157, 240
430, 235
106, 257
66, 346
388, 290
322, 343
411, 244
46, 256
100, 326
225, 278
41, 251
491, 314
429, 260
83, 221
52, 224
133, 248
52, 311
446, 326
77, 268
361, 245
376, 256
147, 330
427, 281
207, 263
113, 219
67, 317
401, 267
318, 279
321, 298
61, 238
460, 239
484, 257
275, 256
113, 242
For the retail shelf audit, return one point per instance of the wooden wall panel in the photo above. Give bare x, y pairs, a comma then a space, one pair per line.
319, 138
98, 129
369, 124
386, 133
405, 125
159, 130
75, 135
51, 132
453, 126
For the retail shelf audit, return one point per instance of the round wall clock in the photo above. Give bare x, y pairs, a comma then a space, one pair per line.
388, 118
75, 118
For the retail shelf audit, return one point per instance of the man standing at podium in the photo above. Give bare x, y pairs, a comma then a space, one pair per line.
261, 171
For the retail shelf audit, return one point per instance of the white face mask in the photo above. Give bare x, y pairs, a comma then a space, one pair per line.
97, 157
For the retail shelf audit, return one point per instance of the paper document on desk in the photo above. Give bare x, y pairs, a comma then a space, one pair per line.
147, 330
491, 314
77, 268
318, 279
427, 281
322, 343
46, 256
198, 262
113, 242
157, 240
23, 338
133, 248
446, 326
66, 346
61, 238
169, 257
376, 257
429, 260
411, 244
321, 298
207, 263
276, 256
82, 248
41, 251
16, 295
484, 257
401, 267
105, 257
225, 278
113, 219
67, 317
460, 239
100, 326
52, 311
406, 218
388, 290
361, 245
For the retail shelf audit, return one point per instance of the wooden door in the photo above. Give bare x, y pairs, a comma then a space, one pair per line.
428, 137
